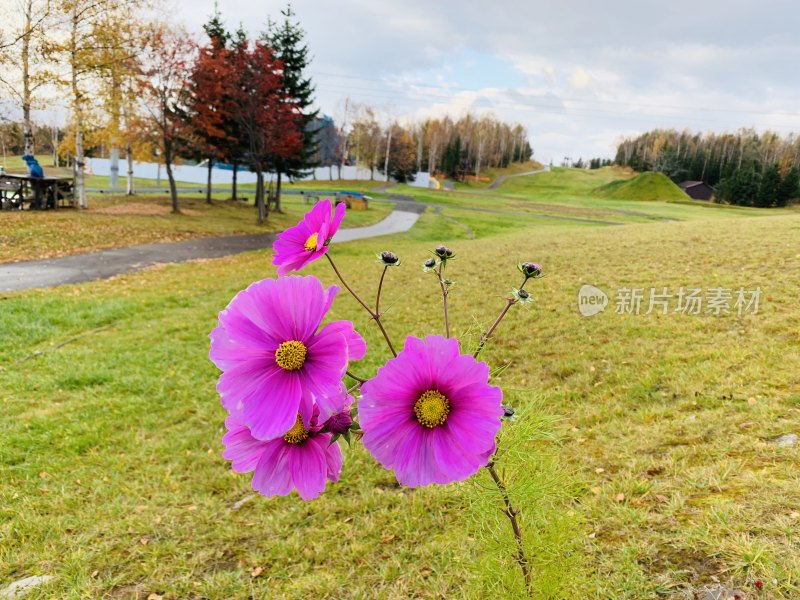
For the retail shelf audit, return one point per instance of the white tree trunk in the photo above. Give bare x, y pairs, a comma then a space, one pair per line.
113, 178
27, 125
388, 149
130, 191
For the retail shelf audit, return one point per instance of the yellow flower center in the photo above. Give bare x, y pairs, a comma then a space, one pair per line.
432, 409
298, 433
311, 243
291, 355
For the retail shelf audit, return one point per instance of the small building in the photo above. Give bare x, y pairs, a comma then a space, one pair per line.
697, 190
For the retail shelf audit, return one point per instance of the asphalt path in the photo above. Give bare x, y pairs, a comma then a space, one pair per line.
107, 263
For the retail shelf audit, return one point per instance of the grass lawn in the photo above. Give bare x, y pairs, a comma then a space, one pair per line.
116, 221
577, 193
652, 457
489, 175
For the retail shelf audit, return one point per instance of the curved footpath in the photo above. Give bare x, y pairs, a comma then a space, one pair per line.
107, 263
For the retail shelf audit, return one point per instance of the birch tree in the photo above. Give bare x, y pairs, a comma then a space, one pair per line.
24, 69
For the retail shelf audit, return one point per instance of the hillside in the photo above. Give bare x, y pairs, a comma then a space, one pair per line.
644, 187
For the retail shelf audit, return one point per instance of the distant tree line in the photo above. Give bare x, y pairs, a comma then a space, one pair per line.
456, 149
745, 167
597, 163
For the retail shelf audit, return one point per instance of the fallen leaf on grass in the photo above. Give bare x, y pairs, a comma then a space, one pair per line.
154, 596
599, 470
652, 471
388, 539
620, 497
256, 572
95, 573
144, 541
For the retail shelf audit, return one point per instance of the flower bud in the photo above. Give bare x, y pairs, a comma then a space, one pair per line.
508, 411
430, 263
521, 296
390, 259
443, 252
530, 269
339, 423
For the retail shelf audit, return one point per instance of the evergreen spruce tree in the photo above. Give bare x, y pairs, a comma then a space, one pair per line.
286, 41
768, 188
789, 187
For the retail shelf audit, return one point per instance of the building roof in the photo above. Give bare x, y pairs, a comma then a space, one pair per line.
687, 184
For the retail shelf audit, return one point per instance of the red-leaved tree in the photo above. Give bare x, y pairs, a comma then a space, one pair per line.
211, 104
166, 63
269, 122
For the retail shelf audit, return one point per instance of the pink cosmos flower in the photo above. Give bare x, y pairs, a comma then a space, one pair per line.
430, 413
302, 460
276, 362
308, 240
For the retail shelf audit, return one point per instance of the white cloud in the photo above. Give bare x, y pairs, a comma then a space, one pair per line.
586, 74
580, 78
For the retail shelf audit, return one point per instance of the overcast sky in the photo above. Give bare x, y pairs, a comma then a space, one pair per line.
577, 74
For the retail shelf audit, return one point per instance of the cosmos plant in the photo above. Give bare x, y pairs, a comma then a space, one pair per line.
429, 414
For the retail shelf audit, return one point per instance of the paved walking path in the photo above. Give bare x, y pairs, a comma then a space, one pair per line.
500, 180
107, 263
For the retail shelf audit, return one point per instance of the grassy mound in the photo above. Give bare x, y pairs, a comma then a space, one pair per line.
643, 187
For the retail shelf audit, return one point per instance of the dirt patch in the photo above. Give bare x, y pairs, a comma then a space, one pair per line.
141, 209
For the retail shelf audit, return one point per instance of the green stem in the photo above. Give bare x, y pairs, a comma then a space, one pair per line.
512, 514
375, 316
444, 300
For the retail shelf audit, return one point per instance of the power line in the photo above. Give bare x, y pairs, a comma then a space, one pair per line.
419, 100
584, 100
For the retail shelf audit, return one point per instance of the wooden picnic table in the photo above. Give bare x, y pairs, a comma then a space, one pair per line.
39, 193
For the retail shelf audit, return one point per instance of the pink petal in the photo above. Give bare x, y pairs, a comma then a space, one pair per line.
453, 458
356, 346
241, 447
338, 215
333, 456
384, 440
272, 476
415, 462
308, 468
272, 415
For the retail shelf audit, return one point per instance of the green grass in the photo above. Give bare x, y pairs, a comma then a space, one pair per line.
645, 187
489, 175
649, 471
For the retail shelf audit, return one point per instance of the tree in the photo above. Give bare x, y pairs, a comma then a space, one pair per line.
89, 39
789, 187
286, 41
22, 58
741, 188
328, 142
768, 187
366, 139
402, 157
267, 118
211, 103
165, 64
120, 35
